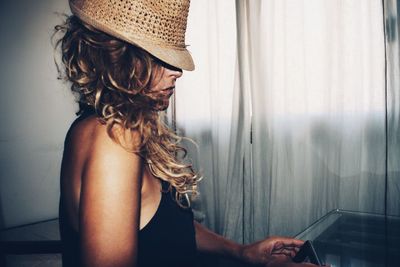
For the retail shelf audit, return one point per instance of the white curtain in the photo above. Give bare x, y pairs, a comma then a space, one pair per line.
318, 110
289, 106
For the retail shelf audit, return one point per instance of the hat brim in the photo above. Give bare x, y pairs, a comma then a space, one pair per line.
179, 58
176, 57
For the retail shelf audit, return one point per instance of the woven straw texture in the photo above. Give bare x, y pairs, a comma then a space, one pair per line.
157, 26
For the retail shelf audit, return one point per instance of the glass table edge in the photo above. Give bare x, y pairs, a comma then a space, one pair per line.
339, 213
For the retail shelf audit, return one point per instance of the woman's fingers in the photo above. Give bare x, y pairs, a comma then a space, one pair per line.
291, 242
285, 251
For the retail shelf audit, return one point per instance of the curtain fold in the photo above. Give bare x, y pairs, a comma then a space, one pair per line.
208, 110
392, 22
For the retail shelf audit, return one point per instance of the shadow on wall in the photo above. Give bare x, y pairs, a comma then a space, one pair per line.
35, 112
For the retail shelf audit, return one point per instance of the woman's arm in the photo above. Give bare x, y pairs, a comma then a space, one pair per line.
209, 242
273, 251
109, 204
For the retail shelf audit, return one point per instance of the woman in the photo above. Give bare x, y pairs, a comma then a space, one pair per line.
124, 178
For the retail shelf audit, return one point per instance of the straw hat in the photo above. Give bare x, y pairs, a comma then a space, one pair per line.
157, 26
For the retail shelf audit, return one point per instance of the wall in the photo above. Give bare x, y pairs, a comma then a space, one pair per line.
35, 111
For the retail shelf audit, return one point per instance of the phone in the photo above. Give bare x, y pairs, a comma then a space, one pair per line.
307, 251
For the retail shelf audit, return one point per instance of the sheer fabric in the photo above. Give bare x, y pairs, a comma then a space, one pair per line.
292, 112
318, 111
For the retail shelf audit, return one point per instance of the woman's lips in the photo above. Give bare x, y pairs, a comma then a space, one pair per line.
169, 88
167, 92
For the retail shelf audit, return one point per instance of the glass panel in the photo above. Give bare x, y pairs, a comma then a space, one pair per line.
344, 238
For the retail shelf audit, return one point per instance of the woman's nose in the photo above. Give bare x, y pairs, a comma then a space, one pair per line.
175, 72
178, 73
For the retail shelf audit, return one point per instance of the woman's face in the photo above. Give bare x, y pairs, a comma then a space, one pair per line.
162, 85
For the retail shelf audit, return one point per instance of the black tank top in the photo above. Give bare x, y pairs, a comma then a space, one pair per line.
167, 240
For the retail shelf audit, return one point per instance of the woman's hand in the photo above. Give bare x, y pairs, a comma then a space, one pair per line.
271, 250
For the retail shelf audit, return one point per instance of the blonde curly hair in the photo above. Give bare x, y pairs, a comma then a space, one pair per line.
113, 78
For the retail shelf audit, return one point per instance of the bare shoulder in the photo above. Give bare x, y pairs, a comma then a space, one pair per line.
91, 139
105, 153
